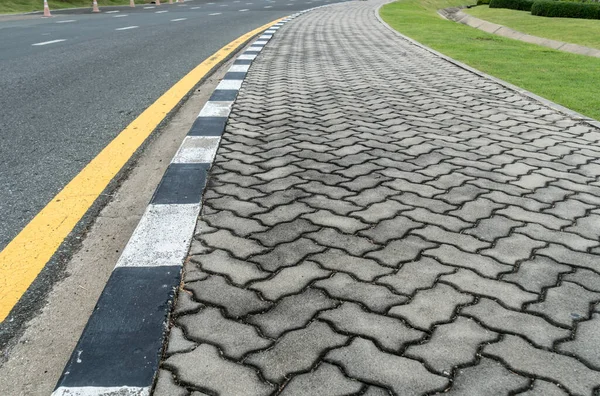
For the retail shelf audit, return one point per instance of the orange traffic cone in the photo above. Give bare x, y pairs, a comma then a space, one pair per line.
131, 3
95, 6
46, 9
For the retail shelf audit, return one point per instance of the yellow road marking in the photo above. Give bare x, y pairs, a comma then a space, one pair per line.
27, 254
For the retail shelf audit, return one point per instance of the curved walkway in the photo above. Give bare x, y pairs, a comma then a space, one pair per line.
455, 14
381, 221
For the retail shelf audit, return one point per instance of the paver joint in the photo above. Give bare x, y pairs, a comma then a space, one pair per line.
379, 221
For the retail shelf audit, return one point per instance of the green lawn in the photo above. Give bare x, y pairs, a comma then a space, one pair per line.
568, 79
577, 31
19, 6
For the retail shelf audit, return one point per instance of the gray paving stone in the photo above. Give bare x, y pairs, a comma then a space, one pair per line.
586, 343
513, 249
166, 385
376, 298
566, 303
292, 312
325, 380
285, 232
239, 247
287, 254
284, 213
364, 361
522, 357
296, 351
437, 234
544, 388
448, 222
532, 327
388, 333
376, 391
402, 250
431, 306
435, 205
570, 239
386, 230
380, 211
237, 271
450, 255
361, 268
233, 338
205, 368
472, 211
451, 345
185, 303
290, 280
520, 214
469, 282
586, 278
344, 224
566, 256
534, 275
226, 219
352, 244
488, 377
336, 206
420, 274
236, 301
177, 342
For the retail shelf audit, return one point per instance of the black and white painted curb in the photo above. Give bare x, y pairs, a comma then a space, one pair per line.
120, 348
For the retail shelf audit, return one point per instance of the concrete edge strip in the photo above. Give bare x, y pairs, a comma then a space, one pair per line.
120, 348
575, 116
456, 15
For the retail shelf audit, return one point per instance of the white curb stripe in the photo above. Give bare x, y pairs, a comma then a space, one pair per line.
162, 237
98, 391
216, 109
230, 84
238, 68
197, 150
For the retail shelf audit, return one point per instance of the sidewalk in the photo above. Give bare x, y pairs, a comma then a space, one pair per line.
380, 221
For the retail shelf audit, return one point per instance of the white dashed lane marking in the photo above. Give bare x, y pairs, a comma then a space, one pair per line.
245, 9
119, 16
112, 12
268, 6
178, 19
148, 8
215, 13
127, 28
67, 21
194, 8
161, 12
49, 42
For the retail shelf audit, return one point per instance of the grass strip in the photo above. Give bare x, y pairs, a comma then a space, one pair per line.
577, 31
567, 79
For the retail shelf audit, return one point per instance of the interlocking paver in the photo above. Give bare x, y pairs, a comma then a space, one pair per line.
379, 221
233, 338
532, 327
451, 345
363, 360
522, 357
296, 351
291, 312
486, 378
387, 332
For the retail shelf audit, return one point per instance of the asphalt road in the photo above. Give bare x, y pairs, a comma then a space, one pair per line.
62, 102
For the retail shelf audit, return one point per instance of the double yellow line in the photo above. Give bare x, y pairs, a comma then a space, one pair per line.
27, 254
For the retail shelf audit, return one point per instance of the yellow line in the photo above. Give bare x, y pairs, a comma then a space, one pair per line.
27, 254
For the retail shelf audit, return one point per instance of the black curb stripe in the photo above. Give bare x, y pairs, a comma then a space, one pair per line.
181, 184
223, 95
242, 62
234, 76
122, 341
208, 126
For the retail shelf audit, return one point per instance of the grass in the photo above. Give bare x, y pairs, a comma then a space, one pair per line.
20, 6
568, 79
577, 31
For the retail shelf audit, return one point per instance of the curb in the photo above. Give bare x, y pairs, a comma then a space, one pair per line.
120, 348
575, 116
456, 15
